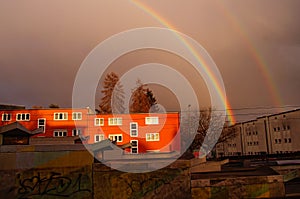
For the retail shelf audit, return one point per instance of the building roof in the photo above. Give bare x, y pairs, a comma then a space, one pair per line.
11, 107
17, 126
281, 113
103, 145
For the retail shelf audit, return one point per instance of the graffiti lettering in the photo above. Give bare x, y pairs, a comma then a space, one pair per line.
141, 187
53, 185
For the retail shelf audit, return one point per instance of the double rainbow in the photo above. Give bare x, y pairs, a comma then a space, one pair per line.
253, 51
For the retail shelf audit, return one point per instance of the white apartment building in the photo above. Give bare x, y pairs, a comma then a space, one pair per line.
272, 134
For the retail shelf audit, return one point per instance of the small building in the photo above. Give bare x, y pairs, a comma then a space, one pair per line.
16, 134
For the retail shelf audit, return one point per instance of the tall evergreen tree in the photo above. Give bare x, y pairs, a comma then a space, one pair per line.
152, 101
113, 100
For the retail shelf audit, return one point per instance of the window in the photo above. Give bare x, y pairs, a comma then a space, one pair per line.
76, 132
42, 123
134, 146
285, 140
76, 116
116, 137
23, 116
274, 129
152, 136
279, 141
290, 140
133, 129
6, 117
151, 120
60, 133
60, 116
99, 122
99, 137
115, 121
276, 141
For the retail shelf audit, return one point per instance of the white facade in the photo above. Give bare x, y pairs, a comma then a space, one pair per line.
272, 134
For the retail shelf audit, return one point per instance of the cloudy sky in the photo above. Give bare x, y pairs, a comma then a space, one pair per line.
255, 44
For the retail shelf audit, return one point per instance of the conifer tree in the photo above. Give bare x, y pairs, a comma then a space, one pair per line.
113, 99
152, 101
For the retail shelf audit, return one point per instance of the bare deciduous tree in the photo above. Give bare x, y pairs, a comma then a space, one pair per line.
198, 125
142, 99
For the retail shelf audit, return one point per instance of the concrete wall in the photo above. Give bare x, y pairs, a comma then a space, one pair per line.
36, 172
170, 182
44, 171
239, 187
55, 182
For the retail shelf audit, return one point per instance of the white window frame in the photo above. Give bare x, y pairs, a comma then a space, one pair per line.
99, 121
76, 132
26, 117
100, 137
151, 137
134, 129
5, 115
60, 133
110, 136
151, 120
77, 116
115, 121
134, 147
56, 116
43, 126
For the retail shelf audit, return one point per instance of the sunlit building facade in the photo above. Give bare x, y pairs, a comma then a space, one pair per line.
144, 132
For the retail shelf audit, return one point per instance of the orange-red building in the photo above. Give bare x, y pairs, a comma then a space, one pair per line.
145, 132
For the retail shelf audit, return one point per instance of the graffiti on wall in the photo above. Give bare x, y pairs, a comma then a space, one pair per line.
53, 184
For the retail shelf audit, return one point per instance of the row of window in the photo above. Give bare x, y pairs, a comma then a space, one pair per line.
64, 132
255, 143
253, 133
286, 140
284, 128
281, 152
119, 137
26, 116
232, 145
19, 117
116, 121
254, 153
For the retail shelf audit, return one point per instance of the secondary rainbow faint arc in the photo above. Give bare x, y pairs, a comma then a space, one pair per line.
164, 22
253, 52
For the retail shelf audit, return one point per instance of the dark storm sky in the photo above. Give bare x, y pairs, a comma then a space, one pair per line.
43, 43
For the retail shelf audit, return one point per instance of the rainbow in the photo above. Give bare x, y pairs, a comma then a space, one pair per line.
254, 52
216, 83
